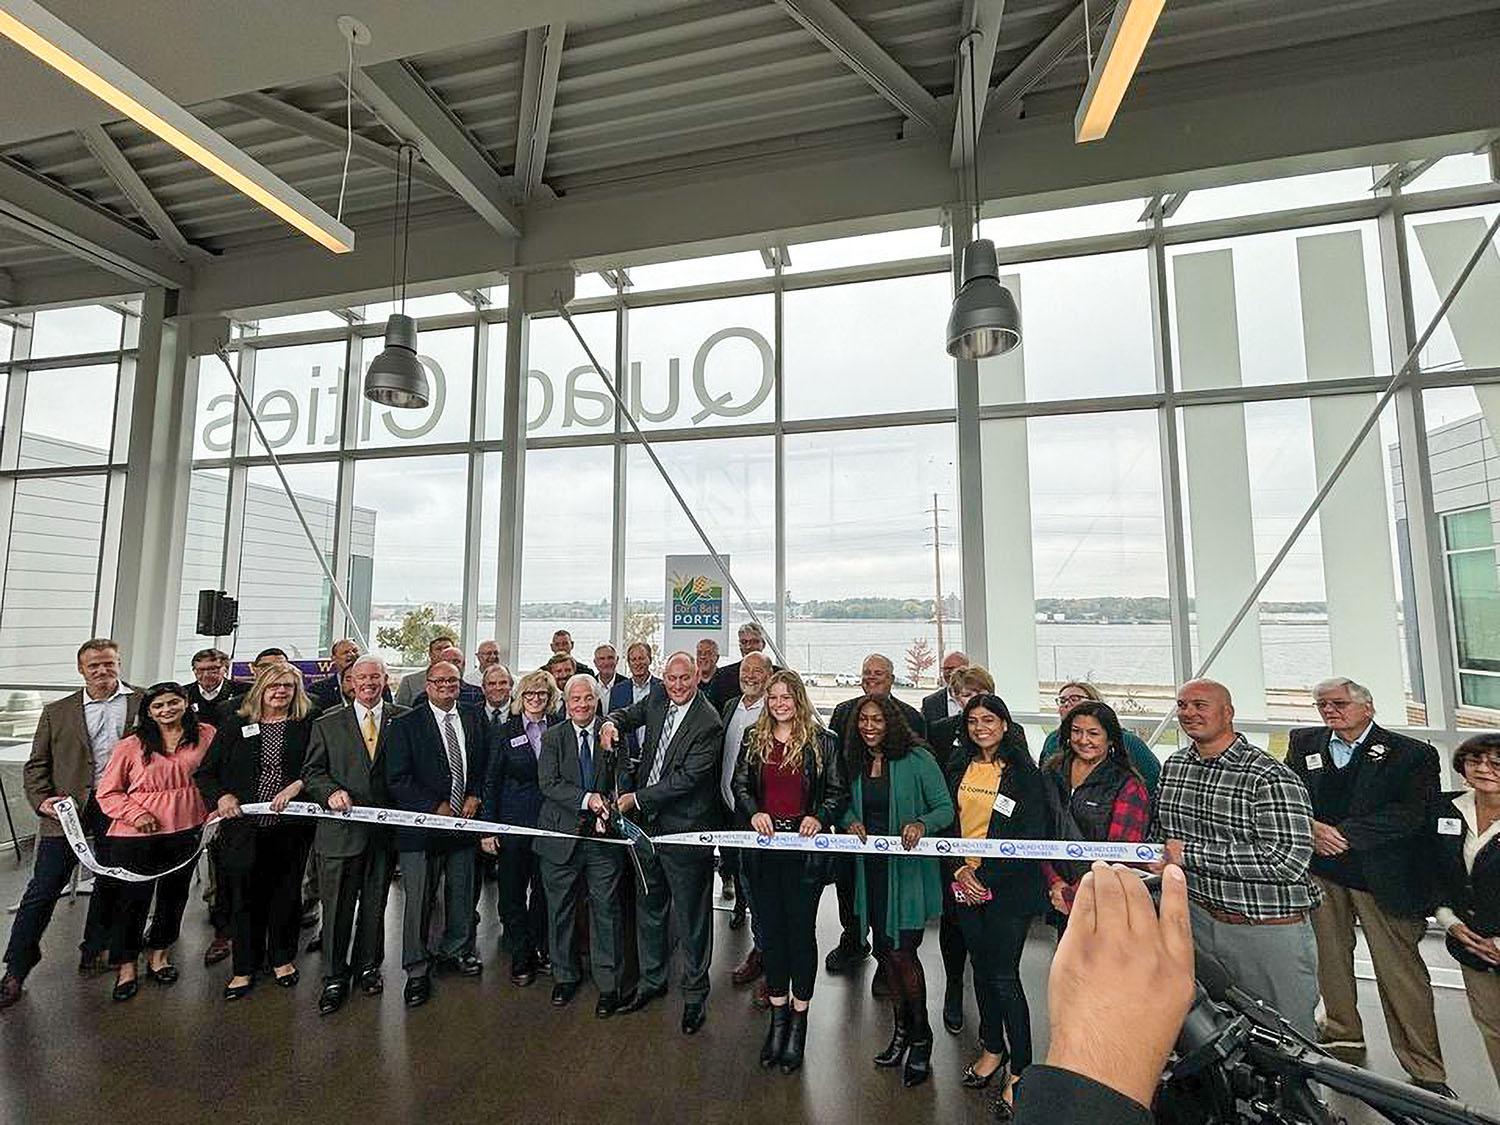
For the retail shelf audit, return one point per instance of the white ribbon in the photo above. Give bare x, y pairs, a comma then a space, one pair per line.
67, 814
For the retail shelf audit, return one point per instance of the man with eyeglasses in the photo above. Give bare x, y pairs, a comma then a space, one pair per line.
1372, 794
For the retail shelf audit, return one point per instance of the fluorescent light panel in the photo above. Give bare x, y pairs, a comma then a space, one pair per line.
38, 31
1119, 55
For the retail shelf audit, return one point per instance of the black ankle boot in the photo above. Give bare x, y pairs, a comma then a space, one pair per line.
796, 1043
892, 1055
774, 1047
918, 1061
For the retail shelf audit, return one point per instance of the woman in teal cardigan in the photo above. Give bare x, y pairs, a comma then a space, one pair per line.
897, 788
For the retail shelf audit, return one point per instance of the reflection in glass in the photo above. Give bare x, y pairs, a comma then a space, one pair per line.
564, 394
298, 397
704, 363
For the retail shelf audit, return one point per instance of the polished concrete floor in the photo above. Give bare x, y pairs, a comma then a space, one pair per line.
483, 1049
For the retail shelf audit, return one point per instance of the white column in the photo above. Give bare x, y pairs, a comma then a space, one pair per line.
1475, 314
1218, 474
1005, 473
1355, 518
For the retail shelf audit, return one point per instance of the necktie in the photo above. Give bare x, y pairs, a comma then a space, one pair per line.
455, 764
585, 761
661, 746
372, 734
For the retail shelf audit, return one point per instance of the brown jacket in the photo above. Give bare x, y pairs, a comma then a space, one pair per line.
62, 761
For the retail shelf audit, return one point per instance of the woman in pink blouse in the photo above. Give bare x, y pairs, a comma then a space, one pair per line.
157, 816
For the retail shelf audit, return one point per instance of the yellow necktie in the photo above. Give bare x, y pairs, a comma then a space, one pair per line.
372, 733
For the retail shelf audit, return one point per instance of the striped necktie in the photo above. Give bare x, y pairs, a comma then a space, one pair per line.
660, 760
455, 764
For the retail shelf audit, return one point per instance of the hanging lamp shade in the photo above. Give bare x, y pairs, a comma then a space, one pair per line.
397, 378
985, 320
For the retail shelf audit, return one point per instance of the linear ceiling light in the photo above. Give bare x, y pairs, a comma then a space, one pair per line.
37, 30
1119, 55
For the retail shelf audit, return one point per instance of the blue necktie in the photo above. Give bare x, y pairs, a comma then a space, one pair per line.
585, 761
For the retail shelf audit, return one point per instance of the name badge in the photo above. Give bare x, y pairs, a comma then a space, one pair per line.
1003, 805
520, 740
250, 729
1450, 826
1313, 761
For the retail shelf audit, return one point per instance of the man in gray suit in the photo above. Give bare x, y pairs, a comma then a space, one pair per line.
346, 767
673, 787
574, 773
413, 686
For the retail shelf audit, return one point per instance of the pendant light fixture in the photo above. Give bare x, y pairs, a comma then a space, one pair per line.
985, 320
396, 377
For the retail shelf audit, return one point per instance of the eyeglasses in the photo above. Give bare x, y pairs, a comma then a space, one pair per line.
1334, 704
543, 694
1071, 700
445, 681
1490, 759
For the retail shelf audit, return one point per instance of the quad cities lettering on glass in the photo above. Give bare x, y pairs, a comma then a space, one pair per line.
314, 418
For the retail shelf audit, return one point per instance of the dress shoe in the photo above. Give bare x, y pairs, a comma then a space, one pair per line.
693, 1017
1435, 1086
335, 992
466, 965
918, 1062
522, 970
217, 950
953, 1006
749, 969
92, 965
796, 1043
543, 965
238, 991
563, 993
10, 990
640, 998
289, 980
776, 1035
418, 991
608, 1005
126, 989
167, 974
371, 983
845, 955
737, 916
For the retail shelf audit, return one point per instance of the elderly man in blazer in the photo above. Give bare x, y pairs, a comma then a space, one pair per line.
434, 764
673, 787
346, 767
1372, 796
71, 747
576, 775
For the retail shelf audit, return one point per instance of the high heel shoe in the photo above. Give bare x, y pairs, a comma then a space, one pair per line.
126, 989
167, 974
973, 1080
918, 1062
776, 1036
236, 991
796, 1043
896, 1050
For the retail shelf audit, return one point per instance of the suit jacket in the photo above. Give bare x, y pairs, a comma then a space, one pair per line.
512, 793
1389, 821
232, 765
622, 695
842, 717
418, 777
935, 706
228, 699
942, 740
560, 779
412, 688
686, 796
1473, 895
337, 759
62, 758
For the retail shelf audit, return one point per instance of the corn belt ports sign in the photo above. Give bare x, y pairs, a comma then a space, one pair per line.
696, 592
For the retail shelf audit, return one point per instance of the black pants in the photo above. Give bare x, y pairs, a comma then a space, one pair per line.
787, 904
522, 901
55, 864
218, 904
843, 881
951, 939
132, 901
682, 879
995, 940
265, 899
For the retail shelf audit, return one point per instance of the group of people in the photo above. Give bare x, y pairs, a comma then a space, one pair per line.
1280, 858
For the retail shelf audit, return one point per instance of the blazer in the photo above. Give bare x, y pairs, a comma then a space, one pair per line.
935, 706
1390, 818
942, 740
843, 715
622, 695
686, 796
560, 779
512, 792
1473, 896
230, 695
419, 780
412, 689
1017, 884
337, 759
232, 765
62, 758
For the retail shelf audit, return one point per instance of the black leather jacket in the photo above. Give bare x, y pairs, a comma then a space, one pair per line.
827, 788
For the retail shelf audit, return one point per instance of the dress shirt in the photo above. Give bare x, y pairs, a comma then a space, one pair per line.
578, 733
608, 687
740, 721
214, 697
954, 706
492, 715
535, 728
360, 711
463, 748
639, 691
1245, 823
105, 720
1342, 752
1474, 843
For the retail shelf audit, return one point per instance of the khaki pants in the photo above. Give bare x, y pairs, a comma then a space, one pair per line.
1484, 1002
1400, 977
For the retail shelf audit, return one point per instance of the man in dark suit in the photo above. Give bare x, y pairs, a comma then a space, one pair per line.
942, 704
674, 788
727, 678
1372, 794
562, 645
69, 751
636, 687
432, 765
346, 767
212, 692
575, 773
708, 674
877, 675
328, 692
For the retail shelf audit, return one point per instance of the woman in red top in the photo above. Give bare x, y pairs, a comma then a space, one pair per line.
789, 778
157, 816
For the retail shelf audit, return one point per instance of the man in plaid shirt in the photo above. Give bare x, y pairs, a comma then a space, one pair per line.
1240, 825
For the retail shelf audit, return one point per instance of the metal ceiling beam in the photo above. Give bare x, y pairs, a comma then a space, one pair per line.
394, 92
981, 20
860, 53
52, 215
544, 48
330, 133
128, 180
1055, 46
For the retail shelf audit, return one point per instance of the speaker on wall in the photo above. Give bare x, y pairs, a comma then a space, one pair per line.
218, 613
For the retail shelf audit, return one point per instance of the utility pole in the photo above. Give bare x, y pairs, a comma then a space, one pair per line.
937, 570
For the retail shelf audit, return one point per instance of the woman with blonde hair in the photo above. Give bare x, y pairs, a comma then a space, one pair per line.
257, 755
1069, 696
789, 778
